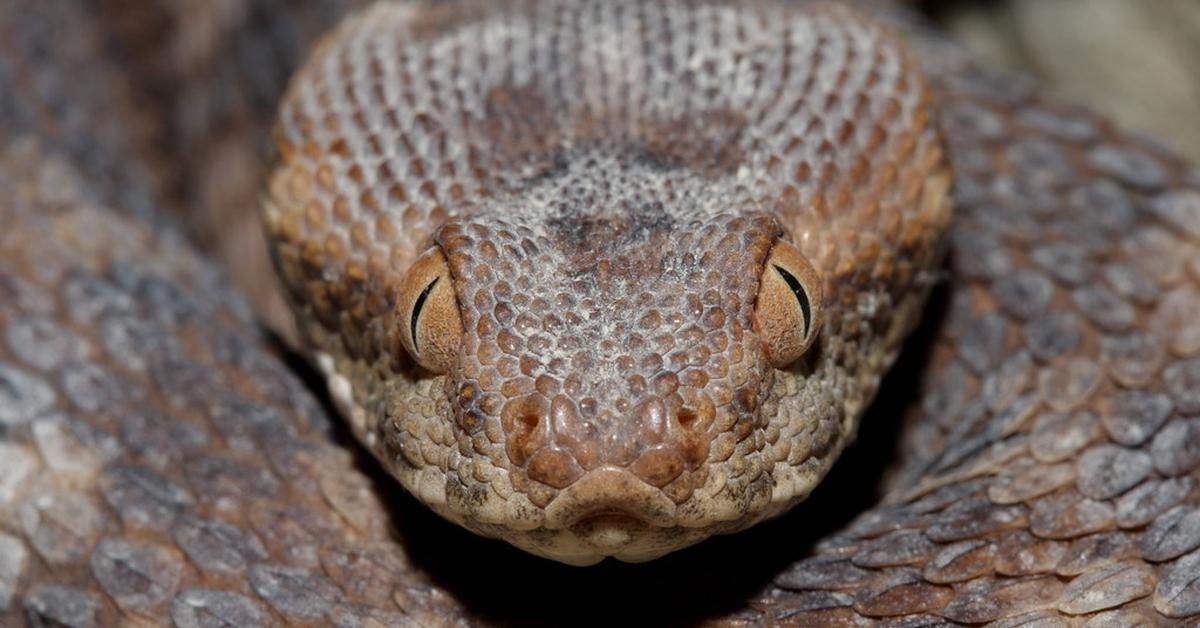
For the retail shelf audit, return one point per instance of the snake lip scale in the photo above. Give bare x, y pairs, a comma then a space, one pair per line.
599, 279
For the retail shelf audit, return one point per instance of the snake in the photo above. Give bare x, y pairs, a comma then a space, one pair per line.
589, 280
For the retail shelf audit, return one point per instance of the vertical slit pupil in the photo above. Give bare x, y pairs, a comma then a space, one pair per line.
416, 313
801, 296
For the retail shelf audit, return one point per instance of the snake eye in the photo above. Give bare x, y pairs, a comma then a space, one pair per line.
430, 323
787, 315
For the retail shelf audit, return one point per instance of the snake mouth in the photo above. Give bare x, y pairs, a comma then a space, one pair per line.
607, 493
609, 533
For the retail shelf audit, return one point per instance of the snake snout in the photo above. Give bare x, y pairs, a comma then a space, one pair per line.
609, 494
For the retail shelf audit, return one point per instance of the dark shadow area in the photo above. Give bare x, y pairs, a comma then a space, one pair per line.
936, 10
500, 584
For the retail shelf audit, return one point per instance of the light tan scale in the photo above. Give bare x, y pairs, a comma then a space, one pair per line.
607, 278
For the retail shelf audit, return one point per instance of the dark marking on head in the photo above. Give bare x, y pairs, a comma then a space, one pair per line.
708, 142
523, 132
606, 208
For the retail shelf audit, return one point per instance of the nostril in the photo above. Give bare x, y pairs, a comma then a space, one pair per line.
522, 422
694, 414
529, 422
687, 419
692, 440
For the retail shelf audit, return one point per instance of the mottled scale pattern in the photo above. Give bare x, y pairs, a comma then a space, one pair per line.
159, 465
607, 180
80, 101
1050, 466
208, 77
153, 453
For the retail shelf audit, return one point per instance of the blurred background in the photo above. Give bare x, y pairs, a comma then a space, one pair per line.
1137, 61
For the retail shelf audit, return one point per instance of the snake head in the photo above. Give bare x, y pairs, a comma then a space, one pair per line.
610, 361
580, 297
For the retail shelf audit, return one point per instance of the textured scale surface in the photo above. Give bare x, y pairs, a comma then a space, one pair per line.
159, 464
606, 181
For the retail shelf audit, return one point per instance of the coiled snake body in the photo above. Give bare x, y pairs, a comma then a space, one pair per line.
600, 278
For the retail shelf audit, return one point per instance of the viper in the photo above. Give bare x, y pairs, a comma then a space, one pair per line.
598, 279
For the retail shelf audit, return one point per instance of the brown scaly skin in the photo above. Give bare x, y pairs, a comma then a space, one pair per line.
606, 213
159, 462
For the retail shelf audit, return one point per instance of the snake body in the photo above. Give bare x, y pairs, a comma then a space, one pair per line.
158, 463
